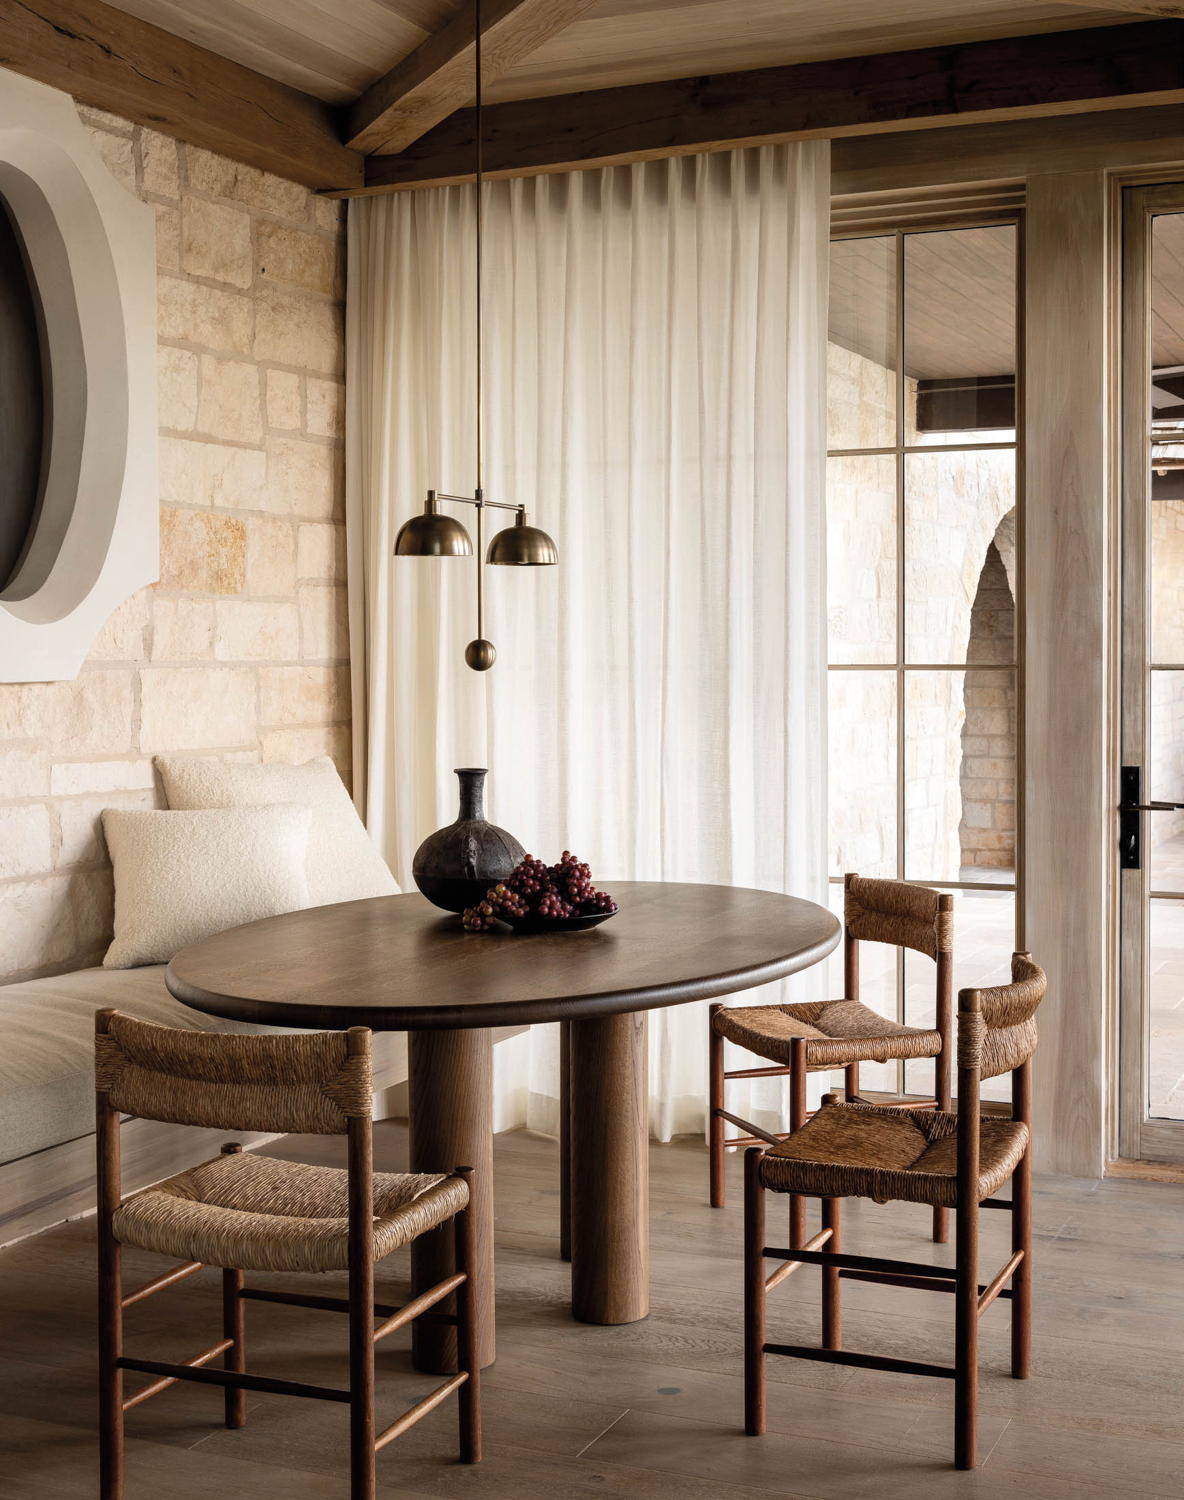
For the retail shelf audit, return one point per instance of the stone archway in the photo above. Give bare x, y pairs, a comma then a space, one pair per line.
987, 778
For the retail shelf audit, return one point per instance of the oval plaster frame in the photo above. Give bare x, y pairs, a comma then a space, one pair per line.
91, 248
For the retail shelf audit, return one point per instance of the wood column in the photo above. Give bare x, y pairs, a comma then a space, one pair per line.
610, 1232
451, 1118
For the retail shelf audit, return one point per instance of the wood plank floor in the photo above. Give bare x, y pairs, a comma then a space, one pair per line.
653, 1410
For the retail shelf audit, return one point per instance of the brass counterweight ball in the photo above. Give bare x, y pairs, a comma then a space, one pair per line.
480, 655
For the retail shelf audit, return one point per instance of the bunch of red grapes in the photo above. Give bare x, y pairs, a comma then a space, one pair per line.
536, 889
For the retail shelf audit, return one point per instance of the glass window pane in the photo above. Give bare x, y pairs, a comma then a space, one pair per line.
984, 939
960, 771
1166, 971
861, 380
959, 336
1167, 574
960, 543
1163, 832
862, 774
861, 555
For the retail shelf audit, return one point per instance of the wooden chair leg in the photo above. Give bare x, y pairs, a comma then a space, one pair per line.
110, 1257
466, 1334
851, 1082
565, 1140
234, 1326
832, 1307
966, 1338
941, 1226
754, 1294
797, 1118
1021, 1231
361, 1309
715, 1102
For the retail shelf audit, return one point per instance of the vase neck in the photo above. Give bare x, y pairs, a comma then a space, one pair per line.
472, 793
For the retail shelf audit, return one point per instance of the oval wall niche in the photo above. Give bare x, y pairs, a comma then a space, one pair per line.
78, 485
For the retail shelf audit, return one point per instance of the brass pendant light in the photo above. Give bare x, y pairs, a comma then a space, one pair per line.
435, 534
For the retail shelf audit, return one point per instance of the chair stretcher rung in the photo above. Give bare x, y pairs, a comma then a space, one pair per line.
420, 1409
155, 1387
862, 1361
922, 1283
232, 1378
860, 1262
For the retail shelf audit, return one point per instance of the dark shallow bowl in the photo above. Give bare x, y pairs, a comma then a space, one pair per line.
557, 924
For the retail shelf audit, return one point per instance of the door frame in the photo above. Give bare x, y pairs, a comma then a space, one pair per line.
1139, 1137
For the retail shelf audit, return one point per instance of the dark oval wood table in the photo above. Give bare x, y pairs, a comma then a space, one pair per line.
397, 963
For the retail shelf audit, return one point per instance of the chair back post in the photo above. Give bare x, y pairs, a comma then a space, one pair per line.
1021, 1213
850, 946
971, 1028
945, 1000
110, 1261
360, 1145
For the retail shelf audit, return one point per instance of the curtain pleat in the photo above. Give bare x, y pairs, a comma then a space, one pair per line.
654, 394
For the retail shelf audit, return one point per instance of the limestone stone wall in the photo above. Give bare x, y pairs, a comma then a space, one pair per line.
987, 831
240, 651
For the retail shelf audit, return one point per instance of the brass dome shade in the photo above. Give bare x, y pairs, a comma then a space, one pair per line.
433, 534
522, 545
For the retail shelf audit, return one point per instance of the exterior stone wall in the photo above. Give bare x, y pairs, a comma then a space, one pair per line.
987, 831
240, 651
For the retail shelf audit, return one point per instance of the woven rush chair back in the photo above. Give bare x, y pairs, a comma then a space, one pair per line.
311, 1084
891, 911
1008, 1013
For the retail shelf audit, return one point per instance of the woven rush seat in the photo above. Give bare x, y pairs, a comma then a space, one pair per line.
258, 1214
838, 1032
911, 1156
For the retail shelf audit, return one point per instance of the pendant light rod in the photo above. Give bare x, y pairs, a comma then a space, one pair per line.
480, 489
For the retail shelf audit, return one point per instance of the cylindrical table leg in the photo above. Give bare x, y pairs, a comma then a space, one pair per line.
451, 1104
565, 1140
610, 1232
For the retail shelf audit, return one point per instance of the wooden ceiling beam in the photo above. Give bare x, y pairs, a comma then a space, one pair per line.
1012, 78
437, 78
116, 62
1174, 8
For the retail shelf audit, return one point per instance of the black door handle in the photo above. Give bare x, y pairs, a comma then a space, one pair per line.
1130, 824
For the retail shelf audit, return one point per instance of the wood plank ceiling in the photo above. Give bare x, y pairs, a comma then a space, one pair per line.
334, 49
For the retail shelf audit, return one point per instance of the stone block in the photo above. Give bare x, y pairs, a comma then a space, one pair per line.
327, 213
25, 844
36, 924
196, 708
320, 553
324, 623
24, 771
168, 237
177, 387
295, 746
158, 163
271, 557
75, 778
283, 400
295, 330
122, 637
90, 114
216, 241
117, 154
192, 313
22, 710
326, 407
182, 629
92, 714
297, 258
80, 820
249, 631
196, 473
222, 178
230, 406
303, 479
202, 552
304, 695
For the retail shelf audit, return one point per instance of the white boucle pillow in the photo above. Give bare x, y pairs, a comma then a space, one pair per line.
342, 865
183, 876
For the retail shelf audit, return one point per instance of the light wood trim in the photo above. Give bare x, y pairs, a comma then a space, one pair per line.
1147, 1171
1067, 729
437, 78
111, 60
1010, 78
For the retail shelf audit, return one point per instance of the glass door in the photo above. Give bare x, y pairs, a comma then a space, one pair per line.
924, 561
1151, 793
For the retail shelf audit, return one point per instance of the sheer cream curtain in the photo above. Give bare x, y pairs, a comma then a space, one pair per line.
655, 395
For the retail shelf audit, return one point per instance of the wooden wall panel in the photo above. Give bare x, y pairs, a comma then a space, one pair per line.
1067, 783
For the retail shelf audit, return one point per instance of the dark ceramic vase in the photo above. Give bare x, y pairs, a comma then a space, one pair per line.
455, 866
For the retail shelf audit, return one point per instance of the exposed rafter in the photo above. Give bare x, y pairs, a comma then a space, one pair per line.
437, 78
109, 59
1015, 77
1168, 8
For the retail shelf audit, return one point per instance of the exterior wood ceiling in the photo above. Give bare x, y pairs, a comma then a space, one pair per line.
334, 49
1167, 292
